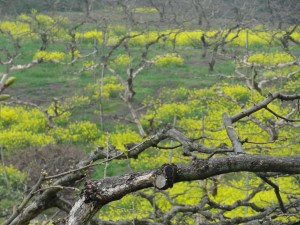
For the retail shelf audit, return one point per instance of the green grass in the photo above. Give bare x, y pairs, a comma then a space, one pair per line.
45, 81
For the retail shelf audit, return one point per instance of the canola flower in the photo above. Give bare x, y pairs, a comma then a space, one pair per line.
118, 210
110, 87
22, 127
145, 10
270, 59
16, 29
93, 34
55, 55
88, 63
119, 139
168, 59
142, 38
27, 24
122, 60
77, 132
76, 54
44, 19
53, 26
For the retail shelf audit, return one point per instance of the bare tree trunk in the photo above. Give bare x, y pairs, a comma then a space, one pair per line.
136, 119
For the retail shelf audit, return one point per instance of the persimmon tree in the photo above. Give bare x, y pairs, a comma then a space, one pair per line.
225, 154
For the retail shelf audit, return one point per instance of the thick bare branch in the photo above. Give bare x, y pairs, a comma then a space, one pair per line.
100, 192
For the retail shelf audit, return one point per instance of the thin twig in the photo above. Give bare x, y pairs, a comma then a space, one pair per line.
281, 117
276, 190
96, 164
26, 200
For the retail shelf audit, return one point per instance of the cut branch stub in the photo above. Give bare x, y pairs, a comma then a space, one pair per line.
165, 176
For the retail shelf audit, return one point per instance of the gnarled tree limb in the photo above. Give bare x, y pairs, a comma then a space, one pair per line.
100, 192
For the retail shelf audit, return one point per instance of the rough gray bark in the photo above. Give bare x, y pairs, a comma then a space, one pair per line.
100, 192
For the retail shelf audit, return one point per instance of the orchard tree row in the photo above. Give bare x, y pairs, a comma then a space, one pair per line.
103, 146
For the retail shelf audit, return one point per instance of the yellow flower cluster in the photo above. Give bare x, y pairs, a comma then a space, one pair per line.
76, 54
93, 34
145, 10
262, 199
143, 38
252, 37
13, 139
122, 210
88, 64
270, 59
77, 132
119, 138
83, 131
237, 92
111, 87
44, 19
21, 127
168, 59
27, 26
296, 35
122, 60
75, 101
55, 55
188, 38
38, 23
32, 120
25, 18
16, 29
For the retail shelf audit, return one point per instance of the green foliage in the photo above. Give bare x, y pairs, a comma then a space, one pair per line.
11, 188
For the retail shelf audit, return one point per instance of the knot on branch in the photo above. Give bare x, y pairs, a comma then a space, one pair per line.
165, 176
90, 193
